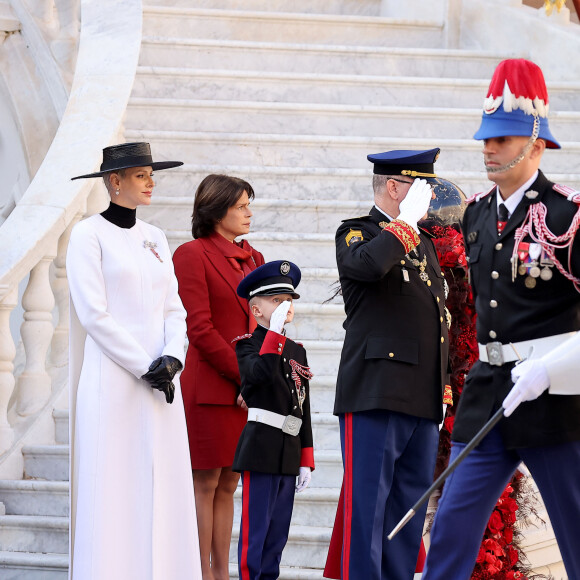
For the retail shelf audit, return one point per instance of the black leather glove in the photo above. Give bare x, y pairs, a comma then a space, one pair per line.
166, 387
162, 369
161, 373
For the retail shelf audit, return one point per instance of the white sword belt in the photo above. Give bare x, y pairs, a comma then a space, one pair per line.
498, 354
287, 423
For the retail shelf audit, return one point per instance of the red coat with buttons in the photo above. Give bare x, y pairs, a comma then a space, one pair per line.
216, 315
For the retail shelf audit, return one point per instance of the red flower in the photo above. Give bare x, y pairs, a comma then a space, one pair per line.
448, 424
495, 523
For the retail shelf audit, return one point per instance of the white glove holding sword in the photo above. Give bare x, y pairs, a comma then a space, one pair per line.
558, 371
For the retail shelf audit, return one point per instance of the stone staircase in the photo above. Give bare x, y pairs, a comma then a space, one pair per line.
34, 529
292, 97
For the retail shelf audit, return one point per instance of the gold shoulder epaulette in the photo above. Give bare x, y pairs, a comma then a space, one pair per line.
405, 233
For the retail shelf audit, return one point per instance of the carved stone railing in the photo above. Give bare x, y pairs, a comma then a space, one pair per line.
35, 235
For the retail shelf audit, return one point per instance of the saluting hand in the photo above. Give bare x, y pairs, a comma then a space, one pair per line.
416, 203
278, 318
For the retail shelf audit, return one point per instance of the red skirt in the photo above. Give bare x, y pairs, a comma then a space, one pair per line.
213, 432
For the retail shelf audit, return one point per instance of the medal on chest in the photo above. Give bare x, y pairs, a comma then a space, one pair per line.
532, 261
421, 265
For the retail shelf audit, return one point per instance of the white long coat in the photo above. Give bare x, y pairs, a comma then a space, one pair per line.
132, 503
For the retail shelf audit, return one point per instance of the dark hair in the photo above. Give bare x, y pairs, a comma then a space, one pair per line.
214, 196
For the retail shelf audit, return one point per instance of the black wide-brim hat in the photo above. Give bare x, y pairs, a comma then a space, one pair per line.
128, 155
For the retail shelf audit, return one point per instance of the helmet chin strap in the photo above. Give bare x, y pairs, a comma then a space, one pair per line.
525, 150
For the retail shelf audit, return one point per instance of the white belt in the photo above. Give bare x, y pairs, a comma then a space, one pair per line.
288, 423
497, 354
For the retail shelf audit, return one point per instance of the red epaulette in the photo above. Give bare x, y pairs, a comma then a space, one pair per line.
242, 336
568, 192
480, 195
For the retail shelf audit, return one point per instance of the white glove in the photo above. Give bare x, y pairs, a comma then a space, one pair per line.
416, 203
303, 479
443, 420
278, 318
531, 380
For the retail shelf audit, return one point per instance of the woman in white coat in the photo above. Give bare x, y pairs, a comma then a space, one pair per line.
132, 503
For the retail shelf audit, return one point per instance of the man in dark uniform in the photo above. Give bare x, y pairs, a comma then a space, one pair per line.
524, 264
276, 443
393, 367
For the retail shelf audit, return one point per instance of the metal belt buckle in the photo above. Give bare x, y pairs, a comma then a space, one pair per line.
494, 353
292, 425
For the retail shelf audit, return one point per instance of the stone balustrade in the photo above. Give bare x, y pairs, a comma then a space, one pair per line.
34, 306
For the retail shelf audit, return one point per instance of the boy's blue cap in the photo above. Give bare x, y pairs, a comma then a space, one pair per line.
405, 162
277, 277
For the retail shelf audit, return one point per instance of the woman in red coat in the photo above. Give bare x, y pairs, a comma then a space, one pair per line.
208, 270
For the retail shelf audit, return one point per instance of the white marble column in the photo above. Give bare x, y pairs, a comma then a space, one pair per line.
59, 344
34, 384
7, 353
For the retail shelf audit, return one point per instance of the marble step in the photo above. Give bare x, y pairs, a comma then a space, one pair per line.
339, 89
321, 150
218, 116
49, 462
61, 425
307, 546
310, 183
541, 548
365, 7
325, 184
300, 216
268, 26
329, 470
325, 431
33, 566
31, 497
318, 58
314, 321
47, 534
323, 390
286, 573
306, 250
315, 506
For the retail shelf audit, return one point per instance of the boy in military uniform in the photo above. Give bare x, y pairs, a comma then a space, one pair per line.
524, 261
276, 443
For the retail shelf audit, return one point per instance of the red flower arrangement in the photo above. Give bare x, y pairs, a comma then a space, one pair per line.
500, 555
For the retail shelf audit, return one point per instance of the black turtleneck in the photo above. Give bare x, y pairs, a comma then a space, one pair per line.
123, 217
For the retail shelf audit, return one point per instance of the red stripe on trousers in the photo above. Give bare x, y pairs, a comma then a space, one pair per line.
347, 495
245, 573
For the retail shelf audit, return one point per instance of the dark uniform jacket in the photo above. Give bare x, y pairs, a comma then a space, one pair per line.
269, 381
518, 313
395, 353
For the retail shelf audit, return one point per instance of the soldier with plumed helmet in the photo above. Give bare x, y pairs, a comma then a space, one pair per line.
524, 262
